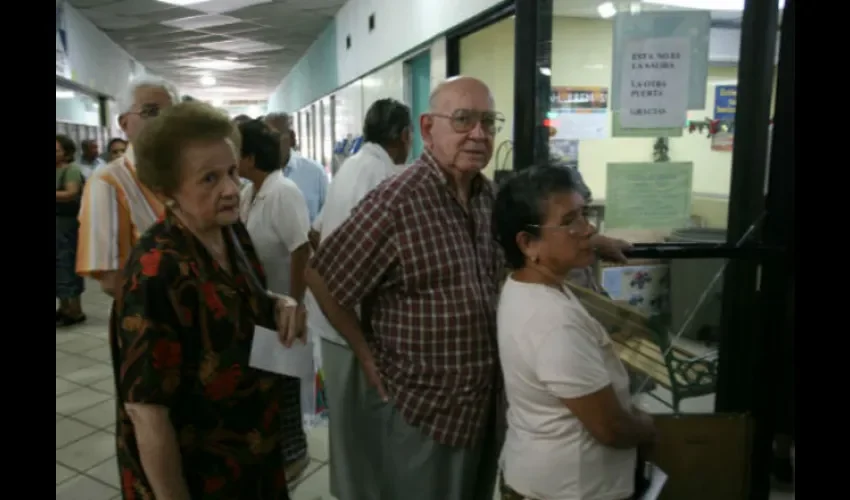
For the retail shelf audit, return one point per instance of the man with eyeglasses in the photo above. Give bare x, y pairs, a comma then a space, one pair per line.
418, 256
116, 207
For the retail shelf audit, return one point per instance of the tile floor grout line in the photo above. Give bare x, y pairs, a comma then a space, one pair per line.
83, 473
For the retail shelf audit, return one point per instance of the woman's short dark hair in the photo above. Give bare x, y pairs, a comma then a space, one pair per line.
68, 147
263, 143
160, 146
385, 121
521, 205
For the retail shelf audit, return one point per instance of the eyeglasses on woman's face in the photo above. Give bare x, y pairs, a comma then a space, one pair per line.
574, 224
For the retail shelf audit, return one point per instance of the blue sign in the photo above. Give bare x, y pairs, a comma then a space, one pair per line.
725, 102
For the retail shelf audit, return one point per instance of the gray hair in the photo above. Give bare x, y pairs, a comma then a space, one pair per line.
278, 120
126, 99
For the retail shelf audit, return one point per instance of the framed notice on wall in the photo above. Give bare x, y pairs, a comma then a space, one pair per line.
579, 113
648, 195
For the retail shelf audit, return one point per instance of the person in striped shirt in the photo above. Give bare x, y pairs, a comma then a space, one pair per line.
116, 209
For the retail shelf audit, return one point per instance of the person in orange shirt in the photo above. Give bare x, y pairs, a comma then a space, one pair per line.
116, 209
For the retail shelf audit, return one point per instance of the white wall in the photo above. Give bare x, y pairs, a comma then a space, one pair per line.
96, 62
400, 26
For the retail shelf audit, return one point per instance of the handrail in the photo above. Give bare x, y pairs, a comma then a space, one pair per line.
699, 251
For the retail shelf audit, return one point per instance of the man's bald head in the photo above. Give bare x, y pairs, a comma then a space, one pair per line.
452, 87
459, 128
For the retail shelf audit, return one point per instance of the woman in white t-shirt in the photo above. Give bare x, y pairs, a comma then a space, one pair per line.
572, 431
275, 213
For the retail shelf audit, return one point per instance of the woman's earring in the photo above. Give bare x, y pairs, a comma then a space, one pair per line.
171, 204
534, 259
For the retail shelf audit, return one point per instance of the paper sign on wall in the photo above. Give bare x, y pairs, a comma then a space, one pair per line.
654, 86
648, 195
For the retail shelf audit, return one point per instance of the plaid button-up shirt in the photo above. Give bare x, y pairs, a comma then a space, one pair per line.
429, 270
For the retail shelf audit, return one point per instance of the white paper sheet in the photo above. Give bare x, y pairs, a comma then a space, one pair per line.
654, 91
656, 483
267, 353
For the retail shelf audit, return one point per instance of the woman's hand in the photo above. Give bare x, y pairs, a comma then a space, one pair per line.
291, 320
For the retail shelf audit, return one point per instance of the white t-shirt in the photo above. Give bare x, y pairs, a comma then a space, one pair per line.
277, 221
552, 349
356, 177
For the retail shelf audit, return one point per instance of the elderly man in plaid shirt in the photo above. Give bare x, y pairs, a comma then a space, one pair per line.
417, 255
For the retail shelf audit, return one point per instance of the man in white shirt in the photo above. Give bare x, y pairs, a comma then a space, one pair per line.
275, 215
309, 176
388, 138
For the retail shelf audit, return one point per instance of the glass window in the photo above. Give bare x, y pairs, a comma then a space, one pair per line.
642, 104
488, 54
327, 132
76, 107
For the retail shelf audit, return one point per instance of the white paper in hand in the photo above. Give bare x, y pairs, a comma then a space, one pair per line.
269, 354
656, 483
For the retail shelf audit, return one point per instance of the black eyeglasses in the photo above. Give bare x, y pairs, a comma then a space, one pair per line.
464, 120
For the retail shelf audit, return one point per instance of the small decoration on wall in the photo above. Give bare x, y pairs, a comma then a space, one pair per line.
660, 150
712, 127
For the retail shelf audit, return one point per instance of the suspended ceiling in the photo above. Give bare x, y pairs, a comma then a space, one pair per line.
247, 46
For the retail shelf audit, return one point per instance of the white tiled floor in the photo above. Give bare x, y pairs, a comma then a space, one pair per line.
85, 416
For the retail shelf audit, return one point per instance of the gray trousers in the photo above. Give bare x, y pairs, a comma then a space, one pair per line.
352, 477
376, 455
415, 467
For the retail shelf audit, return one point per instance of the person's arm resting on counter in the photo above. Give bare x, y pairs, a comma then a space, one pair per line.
98, 251
349, 265
570, 364
151, 357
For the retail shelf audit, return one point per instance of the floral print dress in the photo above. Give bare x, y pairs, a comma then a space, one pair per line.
181, 338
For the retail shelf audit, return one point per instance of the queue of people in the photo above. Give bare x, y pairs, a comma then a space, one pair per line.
437, 387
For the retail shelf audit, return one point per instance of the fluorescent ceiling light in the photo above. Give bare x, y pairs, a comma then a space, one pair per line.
728, 5
64, 94
200, 22
219, 6
218, 90
240, 46
606, 10
213, 64
207, 80
181, 3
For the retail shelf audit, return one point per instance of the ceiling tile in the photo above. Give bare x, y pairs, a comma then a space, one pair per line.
283, 29
133, 7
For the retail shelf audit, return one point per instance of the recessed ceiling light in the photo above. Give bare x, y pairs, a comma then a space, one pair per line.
240, 46
606, 10
208, 80
219, 6
181, 3
213, 64
200, 22
64, 94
